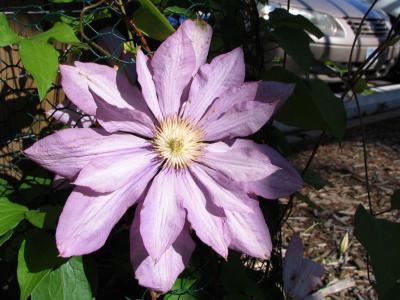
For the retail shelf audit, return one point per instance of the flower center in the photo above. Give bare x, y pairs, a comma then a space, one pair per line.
178, 141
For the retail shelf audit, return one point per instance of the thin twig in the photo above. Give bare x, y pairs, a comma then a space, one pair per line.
139, 34
82, 31
287, 209
357, 35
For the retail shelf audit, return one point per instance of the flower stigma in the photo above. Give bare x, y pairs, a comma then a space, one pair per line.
178, 141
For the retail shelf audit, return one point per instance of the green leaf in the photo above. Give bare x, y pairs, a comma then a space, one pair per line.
395, 200
61, 1
44, 217
336, 67
60, 32
64, 283
6, 237
10, 215
236, 280
36, 258
279, 140
41, 61
7, 35
296, 42
181, 290
6, 188
179, 11
282, 18
151, 21
360, 86
311, 106
315, 180
381, 240
27, 280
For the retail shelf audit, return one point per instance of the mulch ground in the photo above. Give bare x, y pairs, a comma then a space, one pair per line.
323, 230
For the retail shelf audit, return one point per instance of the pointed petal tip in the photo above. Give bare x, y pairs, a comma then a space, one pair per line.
63, 252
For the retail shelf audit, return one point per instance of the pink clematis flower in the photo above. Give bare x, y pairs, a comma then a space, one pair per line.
172, 148
70, 115
300, 275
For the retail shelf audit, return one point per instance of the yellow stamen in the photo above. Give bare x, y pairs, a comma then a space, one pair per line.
178, 141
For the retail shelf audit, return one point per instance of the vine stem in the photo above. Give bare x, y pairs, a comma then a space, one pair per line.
131, 25
82, 31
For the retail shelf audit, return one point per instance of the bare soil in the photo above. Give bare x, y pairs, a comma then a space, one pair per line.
343, 166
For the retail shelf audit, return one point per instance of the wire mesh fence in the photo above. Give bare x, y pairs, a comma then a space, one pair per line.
24, 118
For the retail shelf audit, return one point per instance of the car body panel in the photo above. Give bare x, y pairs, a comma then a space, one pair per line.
391, 7
336, 8
348, 15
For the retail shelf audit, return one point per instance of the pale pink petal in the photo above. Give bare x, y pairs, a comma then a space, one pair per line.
237, 94
314, 297
162, 217
244, 110
112, 86
292, 262
282, 183
239, 164
248, 231
76, 88
61, 183
146, 82
114, 119
67, 151
309, 278
199, 33
274, 92
120, 169
241, 120
173, 65
68, 114
219, 189
159, 275
208, 226
224, 72
88, 217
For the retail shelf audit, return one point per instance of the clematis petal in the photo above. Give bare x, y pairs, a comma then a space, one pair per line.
308, 278
274, 92
208, 226
219, 190
248, 231
76, 88
224, 72
241, 120
114, 119
159, 275
88, 217
162, 217
239, 164
67, 151
68, 114
146, 82
300, 275
237, 94
173, 65
112, 86
282, 183
244, 110
292, 262
199, 33
109, 173
314, 297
